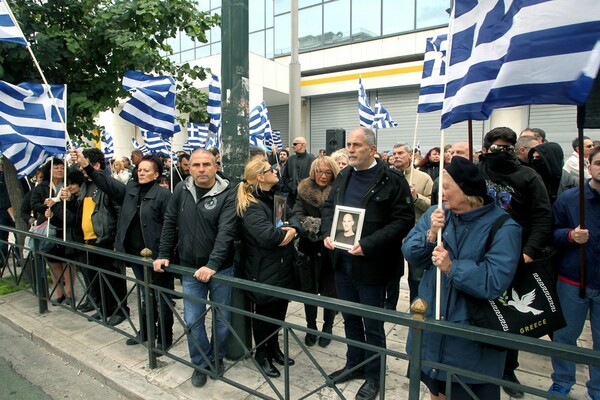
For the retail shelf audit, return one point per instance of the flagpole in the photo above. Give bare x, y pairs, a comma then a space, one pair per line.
414, 149
438, 275
65, 178
50, 183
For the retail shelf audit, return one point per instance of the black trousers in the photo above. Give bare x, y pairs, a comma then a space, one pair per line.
262, 329
99, 285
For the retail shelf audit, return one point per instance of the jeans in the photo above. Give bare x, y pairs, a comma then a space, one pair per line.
575, 311
356, 328
200, 348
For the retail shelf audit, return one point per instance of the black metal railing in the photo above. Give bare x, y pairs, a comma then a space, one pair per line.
12, 271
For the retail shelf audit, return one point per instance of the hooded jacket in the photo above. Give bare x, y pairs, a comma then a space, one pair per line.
202, 229
549, 166
520, 191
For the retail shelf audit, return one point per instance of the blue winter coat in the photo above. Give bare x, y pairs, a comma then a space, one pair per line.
474, 271
566, 217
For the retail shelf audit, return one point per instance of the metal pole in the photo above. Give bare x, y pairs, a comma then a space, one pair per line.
294, 71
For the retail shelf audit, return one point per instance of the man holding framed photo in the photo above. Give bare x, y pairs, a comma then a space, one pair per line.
362, 272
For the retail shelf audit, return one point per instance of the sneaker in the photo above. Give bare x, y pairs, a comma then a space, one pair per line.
558, 389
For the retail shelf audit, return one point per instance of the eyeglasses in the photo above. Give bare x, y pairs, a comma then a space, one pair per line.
271, 169
296, 144
502, 148
328, 172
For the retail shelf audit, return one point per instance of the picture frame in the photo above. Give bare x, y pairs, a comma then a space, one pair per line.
347, 226
279, 211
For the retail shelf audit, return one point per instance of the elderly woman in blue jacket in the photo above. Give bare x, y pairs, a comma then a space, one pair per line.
467, 267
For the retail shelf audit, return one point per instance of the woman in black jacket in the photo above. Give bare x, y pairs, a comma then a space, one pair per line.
430, 164
268, 256
316, 274
143, 206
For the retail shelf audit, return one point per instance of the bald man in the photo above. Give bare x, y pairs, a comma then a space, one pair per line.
297, 168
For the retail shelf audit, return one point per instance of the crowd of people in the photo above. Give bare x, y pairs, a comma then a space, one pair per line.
198, 218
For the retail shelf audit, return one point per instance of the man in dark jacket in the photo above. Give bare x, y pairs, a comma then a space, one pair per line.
296, 169
361, 274
201, 223
96, 224
521, 192
547, 160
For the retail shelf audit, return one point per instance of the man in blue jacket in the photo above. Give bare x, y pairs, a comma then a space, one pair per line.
362, 273
568, 237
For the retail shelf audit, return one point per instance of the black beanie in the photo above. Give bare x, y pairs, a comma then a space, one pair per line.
467, 176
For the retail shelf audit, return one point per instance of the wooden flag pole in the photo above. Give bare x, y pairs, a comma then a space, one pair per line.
412, 161
438, 276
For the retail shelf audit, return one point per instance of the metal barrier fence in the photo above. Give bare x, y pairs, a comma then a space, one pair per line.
26, 263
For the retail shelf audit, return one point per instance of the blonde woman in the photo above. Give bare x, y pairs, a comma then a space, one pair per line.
341, 158
121, 173
268, 257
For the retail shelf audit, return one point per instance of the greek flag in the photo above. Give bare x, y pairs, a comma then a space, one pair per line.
276, 136
137, 146
259, 125
152, 103
382, 117
27, 114
507, 53
154, 142
214, 105
108, 145
25, 156
197, 134
366, 115
433, 80
9, 28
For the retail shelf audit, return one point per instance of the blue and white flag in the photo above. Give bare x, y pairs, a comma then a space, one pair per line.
137, 146
152, 103
433, 79
25, 156
108, 145
507, 53
259, 125
197, 135
276, 136
366, 115
382, 117
154, 142
27, 114
10, 31
213, 108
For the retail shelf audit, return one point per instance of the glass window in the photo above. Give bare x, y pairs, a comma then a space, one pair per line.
187, 56
269, 14
186, 42
398, 16
256, 15
215, 4
310, 28
366, 19
432, 13
282, 34
336, 22
174, 43
174, 58
306, 3
215, 48
215, 34
203, 51
203, 5
282, 6
256, 43
269, 43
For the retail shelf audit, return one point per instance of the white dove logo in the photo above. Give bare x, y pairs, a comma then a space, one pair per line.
521, 304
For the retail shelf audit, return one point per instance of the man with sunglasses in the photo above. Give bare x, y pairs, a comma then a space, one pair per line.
520, 191
296, 169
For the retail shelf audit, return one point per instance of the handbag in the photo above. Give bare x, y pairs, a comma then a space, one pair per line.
529, 307
41, 229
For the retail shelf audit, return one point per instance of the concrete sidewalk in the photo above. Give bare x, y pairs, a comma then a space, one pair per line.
102, 353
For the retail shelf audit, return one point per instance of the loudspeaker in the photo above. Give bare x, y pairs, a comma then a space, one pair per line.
334, 139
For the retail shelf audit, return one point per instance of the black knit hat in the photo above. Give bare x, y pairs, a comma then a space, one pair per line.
467, 176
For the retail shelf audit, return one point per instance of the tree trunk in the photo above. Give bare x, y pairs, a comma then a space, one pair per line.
16, 194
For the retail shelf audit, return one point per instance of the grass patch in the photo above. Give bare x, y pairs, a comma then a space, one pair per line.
7, 288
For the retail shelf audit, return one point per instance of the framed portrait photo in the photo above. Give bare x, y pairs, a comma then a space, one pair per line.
279, 217
347, 226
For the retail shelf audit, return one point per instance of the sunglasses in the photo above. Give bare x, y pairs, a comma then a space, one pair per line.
296, 144
502, 148
271, 169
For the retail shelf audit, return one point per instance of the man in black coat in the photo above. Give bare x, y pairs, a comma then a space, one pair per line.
361, 274
296, 169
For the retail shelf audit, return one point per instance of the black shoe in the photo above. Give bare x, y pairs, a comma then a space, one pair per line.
368, 391
116, 319
267, 366
516, 393
279, 358
138, 339
310, 339
198, 379
348, 376
220, 369
86, 307
324, 342
69, 301
95, 317
58, 300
